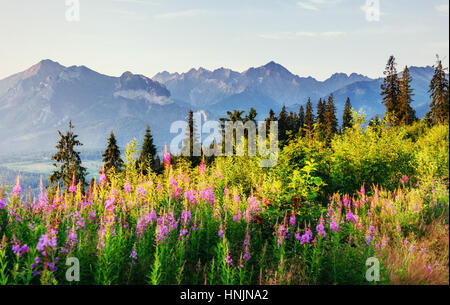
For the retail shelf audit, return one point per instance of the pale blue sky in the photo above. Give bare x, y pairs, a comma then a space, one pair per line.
309, 37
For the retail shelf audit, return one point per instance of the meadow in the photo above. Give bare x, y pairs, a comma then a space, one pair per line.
375, 191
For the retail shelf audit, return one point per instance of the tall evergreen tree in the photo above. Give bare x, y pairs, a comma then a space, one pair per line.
439, 106
148, 152
407, 114
271, 118
283, 125
320, 119
347, 118
67, 160
309, 115
111, 156
191, 148
330, 118
301, 120
390, 90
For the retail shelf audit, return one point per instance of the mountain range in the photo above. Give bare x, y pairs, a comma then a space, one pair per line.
37, 102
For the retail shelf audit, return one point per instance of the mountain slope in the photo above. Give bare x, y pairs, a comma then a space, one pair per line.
37, 102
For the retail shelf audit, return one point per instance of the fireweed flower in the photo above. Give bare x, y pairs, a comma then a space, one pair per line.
144, 221
334, 226
307, 237
220, 233
202, 169
166, 157
320, 228
292, 220
229, 260
237, 217
72, 188
185, 217
133, 256
350, 217
20, 250
45, 241
2, 203
283, 234
102, 179
127, 188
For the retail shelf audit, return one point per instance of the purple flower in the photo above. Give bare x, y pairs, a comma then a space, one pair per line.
350, 217
307, 237
292, 220
133, 255
44, 242
102, 179
72, 189
229, 260
220, 233
334, 226
127, 188
320, 228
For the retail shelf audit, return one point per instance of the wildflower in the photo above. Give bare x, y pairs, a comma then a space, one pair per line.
166, 157
20, 250
292, 220
17, 188
237, 217
102, 179
220, 233
334, 226
133, 255
127, 188
307, 237
185, 217
2, 203
320, 228
202, 168
72, 189
404, 179
45, 241
229, 260
283, 233
429, 268
350, 217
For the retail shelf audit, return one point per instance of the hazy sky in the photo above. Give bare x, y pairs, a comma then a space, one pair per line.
308, 37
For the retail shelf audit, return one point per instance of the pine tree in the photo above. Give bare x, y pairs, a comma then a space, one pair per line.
148, 152
347, 118
68, 161
283, 125
111, 156
191, 149
271, 118
301, 120
407, 114
321, 120
390, 90
309, 116
439, 106
330, 118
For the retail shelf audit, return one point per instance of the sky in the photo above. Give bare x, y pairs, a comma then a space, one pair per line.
309, 37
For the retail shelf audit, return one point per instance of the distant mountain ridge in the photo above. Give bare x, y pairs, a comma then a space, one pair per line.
42, 99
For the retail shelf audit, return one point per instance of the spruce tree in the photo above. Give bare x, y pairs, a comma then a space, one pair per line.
111, 156
148, 152
439, 106
67, 161
301, 120
283, 125
271, 118
407, 114
309, 115
330, 118
390, 90
347, 118
321, 120
191, 142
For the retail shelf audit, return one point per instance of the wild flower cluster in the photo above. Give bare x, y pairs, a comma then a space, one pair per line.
195, 227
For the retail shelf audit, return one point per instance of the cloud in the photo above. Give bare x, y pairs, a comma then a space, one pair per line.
442, 9
313, 5
307, 6
298, 35
332, 34
178, 14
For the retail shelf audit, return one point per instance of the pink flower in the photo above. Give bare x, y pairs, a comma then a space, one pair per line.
166, 157
102, 179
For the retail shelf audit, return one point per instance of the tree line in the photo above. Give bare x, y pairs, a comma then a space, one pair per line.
397, 96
